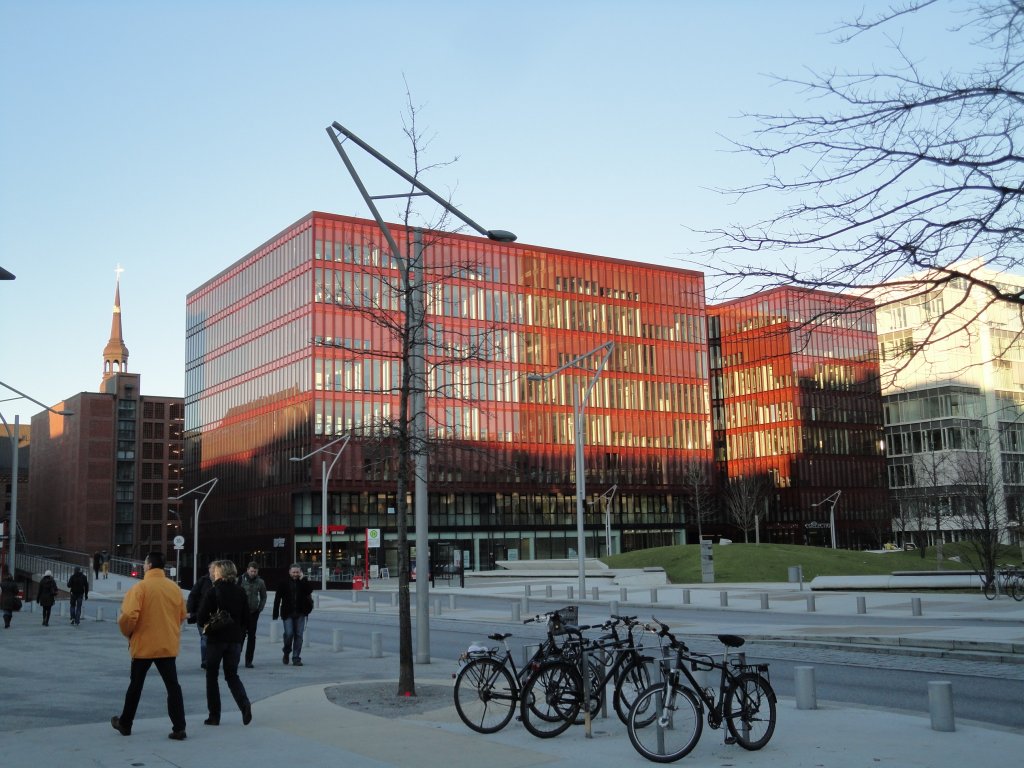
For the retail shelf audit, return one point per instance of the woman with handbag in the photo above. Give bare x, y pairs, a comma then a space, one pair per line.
223, 615
9, 602
47, 595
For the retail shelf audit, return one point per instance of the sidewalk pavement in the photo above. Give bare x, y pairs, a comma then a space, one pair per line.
61, 684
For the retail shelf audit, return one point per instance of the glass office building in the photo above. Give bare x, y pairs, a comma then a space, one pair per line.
294, 345
796, 402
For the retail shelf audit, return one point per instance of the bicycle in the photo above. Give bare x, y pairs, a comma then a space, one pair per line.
489, 685
1007, 577
555, 690
667, 719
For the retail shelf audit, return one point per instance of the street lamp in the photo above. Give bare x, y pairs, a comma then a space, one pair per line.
605, 499
578, 405
831, 500
195, 520
15, 436
323, 497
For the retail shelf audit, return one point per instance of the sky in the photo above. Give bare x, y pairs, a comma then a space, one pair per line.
172, 138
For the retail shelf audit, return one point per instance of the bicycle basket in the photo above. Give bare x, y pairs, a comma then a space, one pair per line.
568, 615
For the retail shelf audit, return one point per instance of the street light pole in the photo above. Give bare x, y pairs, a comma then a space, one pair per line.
325, 474
831, 500
195, 519
578, 405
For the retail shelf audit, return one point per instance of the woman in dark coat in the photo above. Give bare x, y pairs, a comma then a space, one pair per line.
8, 594
47, 595
225, 645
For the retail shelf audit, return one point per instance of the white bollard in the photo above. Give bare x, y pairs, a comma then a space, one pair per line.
394, 599
373, 603
654, 595
437, 606
528, 651
516, 616
595, 593
940, 705
915, 606
336, 640
99, 613
355, 596
451, 601
806, 696
547, 590
862, 606
686, 597
764, 601
810, 604
527, 589
375, 645
318, 599
568, 592
723, 598
525, 604
613, 608
623, 594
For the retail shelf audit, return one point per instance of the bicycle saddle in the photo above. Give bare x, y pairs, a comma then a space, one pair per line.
733, 641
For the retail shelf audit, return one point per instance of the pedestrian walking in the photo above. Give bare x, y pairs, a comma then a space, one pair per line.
293, 602
9, 600
224, 643
97, 563
256, 594
78, 586
106, 563
151, 615
46, 595
195, 599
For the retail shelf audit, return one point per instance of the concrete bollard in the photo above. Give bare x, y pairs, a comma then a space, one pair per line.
63, 609
723, 599
568, 592
375, 645
613, 608
623, 594
764, 601
525, 603
336, 640
862, 606
99, 613
527, 589
394, 599
451, 601
528, 651
810, 604
806, 696
547, 590
515, 612
940, 705
654, 595
355, 596
686, 597
915, 606
437, 606
373, 603
317, 599
595, 593
119, 587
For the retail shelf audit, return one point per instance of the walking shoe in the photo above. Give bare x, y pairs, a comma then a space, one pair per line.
247, 714
284, 659
211, 720
177, 735
115, 721
296, 662
248, 665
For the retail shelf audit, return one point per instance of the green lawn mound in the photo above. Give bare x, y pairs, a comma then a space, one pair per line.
738, 563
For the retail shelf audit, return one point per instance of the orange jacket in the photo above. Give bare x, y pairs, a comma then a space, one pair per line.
151, 615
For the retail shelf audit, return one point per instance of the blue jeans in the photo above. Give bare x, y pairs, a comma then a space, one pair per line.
76, 609
294, 627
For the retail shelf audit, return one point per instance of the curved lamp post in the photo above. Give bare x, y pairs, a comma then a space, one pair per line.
831, 500
324, 474
195, 520
579, 429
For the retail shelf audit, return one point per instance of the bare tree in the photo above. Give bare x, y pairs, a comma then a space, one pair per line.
979, 508
893, 171
744, 500
695, 477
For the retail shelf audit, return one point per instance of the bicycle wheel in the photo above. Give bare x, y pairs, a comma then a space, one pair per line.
551, 699
749, 710
637, 676
665, 730
485, 695
990, 588
1017, 588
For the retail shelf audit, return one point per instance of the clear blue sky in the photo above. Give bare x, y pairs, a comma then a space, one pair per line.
174, 137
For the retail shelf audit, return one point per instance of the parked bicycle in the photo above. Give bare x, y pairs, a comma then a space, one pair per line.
553, 695
666, 720
489, 685
1008, 579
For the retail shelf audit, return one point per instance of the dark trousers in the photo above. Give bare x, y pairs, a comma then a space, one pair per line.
250, 637
46, 613
229, 653
169, 674
76, 608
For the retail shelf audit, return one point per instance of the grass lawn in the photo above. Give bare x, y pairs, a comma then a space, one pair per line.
770, 562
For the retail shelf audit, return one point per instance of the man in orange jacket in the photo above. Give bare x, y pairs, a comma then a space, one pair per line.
151, 615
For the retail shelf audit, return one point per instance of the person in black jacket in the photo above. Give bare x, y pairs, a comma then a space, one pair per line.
78, 586
225, 644
293, 603
195, 599
47, 595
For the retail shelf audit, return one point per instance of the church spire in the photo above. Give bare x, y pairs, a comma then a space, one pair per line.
115, 354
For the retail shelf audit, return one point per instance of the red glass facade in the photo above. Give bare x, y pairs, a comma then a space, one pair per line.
294, 345
796, 401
